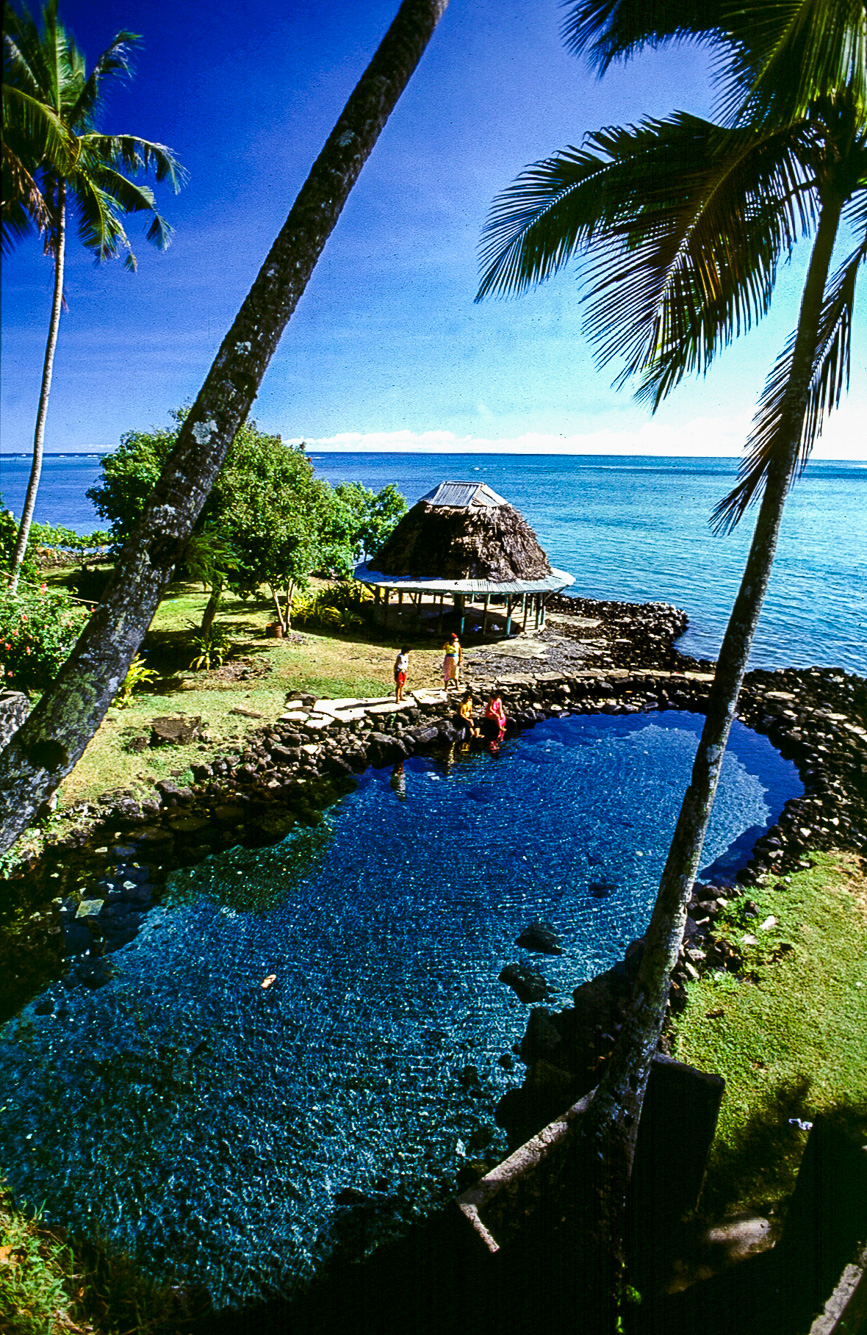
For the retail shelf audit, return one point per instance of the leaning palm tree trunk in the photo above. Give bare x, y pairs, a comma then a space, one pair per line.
610, 1125
57, 732
59, 247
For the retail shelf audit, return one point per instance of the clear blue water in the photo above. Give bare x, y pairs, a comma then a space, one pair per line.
209, 1125
631, 529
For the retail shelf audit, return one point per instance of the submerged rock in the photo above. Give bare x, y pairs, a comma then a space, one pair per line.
526, 983
541, 937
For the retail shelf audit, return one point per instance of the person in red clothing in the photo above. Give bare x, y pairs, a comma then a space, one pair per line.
401, 667
495, 719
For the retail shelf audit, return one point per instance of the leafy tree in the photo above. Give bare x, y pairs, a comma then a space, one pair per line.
267, 520
686, 222
273, 512
56, 733
8, 539
129, 475
58, 166
362, 520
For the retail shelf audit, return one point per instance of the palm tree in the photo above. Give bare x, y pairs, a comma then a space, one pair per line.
48, 745
56, 165
685, 222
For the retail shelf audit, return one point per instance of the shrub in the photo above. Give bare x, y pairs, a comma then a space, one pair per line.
8, 539
213, 645
337, 607
38, 629
139, 674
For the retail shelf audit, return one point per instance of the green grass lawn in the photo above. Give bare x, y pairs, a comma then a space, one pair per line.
791, 1041
357, 664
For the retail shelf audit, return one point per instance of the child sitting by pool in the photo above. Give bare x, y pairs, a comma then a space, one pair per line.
463, 719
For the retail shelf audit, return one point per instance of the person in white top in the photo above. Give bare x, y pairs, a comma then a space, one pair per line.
401, 667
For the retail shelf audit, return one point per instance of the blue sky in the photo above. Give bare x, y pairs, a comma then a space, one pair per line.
387, 349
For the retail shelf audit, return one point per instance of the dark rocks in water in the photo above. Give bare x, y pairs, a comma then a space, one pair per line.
78, 938
602, 889
351, 1196
481, 1137
423, 736
383, 749
526, 983
336, 764
178, 730
541, 937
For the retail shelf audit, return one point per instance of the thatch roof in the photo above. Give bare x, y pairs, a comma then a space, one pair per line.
463, 530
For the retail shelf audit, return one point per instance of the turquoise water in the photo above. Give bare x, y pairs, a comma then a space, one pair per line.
236, 1134
632, 529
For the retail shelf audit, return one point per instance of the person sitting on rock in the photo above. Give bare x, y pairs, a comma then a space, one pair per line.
463, 719
495, 719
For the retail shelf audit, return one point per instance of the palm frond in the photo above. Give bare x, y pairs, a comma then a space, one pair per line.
128, 152
829, 378
789, 54
687, 222
24, 206
609, 30
99, 227
115, 62
37, 129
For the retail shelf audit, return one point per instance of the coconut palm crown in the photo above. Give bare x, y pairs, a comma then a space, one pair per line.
686, 221
57, 165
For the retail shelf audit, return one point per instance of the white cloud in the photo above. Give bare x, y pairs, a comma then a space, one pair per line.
843, 438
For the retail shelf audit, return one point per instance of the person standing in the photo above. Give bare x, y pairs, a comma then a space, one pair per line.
401, 667
453, 656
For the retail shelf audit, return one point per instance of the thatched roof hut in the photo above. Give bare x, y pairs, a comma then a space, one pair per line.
464, 540
463, 530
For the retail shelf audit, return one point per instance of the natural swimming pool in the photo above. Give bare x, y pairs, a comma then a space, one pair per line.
236, 1134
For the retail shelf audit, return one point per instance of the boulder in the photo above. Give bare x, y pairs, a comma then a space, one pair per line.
526, 983
384, 750
177, 730
541, 937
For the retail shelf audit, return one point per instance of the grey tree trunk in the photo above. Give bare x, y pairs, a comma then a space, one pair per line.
45, 390
57, 732
610, 1124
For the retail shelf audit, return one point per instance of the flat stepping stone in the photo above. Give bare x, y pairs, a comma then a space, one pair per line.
89, 908
294, 716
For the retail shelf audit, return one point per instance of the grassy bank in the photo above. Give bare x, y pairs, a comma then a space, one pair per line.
790, 1040
257, 676
53, 1286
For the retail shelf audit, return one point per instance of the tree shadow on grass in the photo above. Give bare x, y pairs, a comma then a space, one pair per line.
759, 1168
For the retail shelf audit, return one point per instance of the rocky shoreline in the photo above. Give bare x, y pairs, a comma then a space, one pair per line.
592, 657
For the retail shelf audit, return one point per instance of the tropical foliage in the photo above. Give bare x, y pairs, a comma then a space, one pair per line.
38, 628
139, 675
58, 167
337, 607
269, 520
50, 742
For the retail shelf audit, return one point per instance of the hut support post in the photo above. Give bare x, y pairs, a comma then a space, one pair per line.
508, 616
459, 608
442, 610
485, 617
523, 611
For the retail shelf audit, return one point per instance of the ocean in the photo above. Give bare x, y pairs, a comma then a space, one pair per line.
630, 528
